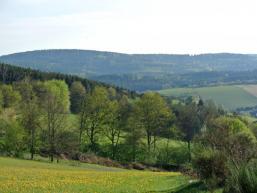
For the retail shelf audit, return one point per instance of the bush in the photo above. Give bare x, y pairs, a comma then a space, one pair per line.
228, 138
93, 159
174, 155
242, 147
12, 141
138, 166
211, 167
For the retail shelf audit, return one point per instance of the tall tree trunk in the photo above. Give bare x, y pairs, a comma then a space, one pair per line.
113, 147
52, 146
134, 152
32, 149
189, 150
154, 143
133, 145
92, 141
80, 138
49, 134
113, 151
52, 157
81, 128
149, 142
52, 151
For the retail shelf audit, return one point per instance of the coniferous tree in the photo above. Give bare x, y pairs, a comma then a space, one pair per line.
77, 94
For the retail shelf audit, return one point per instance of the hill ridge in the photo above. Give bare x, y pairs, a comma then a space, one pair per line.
149, 69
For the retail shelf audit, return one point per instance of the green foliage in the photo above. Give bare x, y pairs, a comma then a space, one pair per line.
154, 116
227, 140
30, 115
1, 100
112, 93
211, 167
112, 127
97, 105
67, 143
110, 124
253, 127
135, 133
188, 120
232, 125
11, 74
55, 105
36, 118
10, 97
172, 154
242, 178
12, 138
57, 94
230, 135
77, 95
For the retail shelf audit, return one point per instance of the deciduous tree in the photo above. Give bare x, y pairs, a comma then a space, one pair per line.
154, 115
56, 106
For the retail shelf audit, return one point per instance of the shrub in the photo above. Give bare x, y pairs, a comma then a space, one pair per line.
93, 159
211, 167
175, 155
12, 141
242, 178
138, 166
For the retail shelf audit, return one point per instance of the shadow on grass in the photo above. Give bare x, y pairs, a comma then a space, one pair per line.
197, 187
191, 188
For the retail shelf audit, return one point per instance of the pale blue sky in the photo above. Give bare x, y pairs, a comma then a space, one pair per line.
130, 26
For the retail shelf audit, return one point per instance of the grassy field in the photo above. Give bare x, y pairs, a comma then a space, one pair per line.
231, 96
252, 89
22, 176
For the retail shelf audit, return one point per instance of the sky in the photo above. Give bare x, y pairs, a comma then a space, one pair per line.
129, 26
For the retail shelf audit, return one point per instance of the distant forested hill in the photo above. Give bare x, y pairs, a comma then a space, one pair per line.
137, 71
82, 62
164, 81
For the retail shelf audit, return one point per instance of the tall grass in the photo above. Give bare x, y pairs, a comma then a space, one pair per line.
243, 178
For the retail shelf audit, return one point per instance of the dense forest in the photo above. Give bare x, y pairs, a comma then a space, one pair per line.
143, 72
49, 117
84, 62
10, 74
156, 82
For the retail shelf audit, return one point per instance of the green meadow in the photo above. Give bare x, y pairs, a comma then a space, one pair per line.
230, 96
23, 176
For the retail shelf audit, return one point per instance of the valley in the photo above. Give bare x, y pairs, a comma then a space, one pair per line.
128, 96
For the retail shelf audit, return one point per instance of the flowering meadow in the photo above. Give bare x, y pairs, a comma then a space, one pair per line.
21, 176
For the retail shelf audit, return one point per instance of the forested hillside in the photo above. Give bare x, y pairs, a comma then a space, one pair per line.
142, 83
143, 72
10, 74
84, 62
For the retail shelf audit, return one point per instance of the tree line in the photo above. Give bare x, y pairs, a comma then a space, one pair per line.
52, 118
10, 74
157, 81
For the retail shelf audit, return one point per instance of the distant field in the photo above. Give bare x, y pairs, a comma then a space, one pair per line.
231, 96
252, 89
